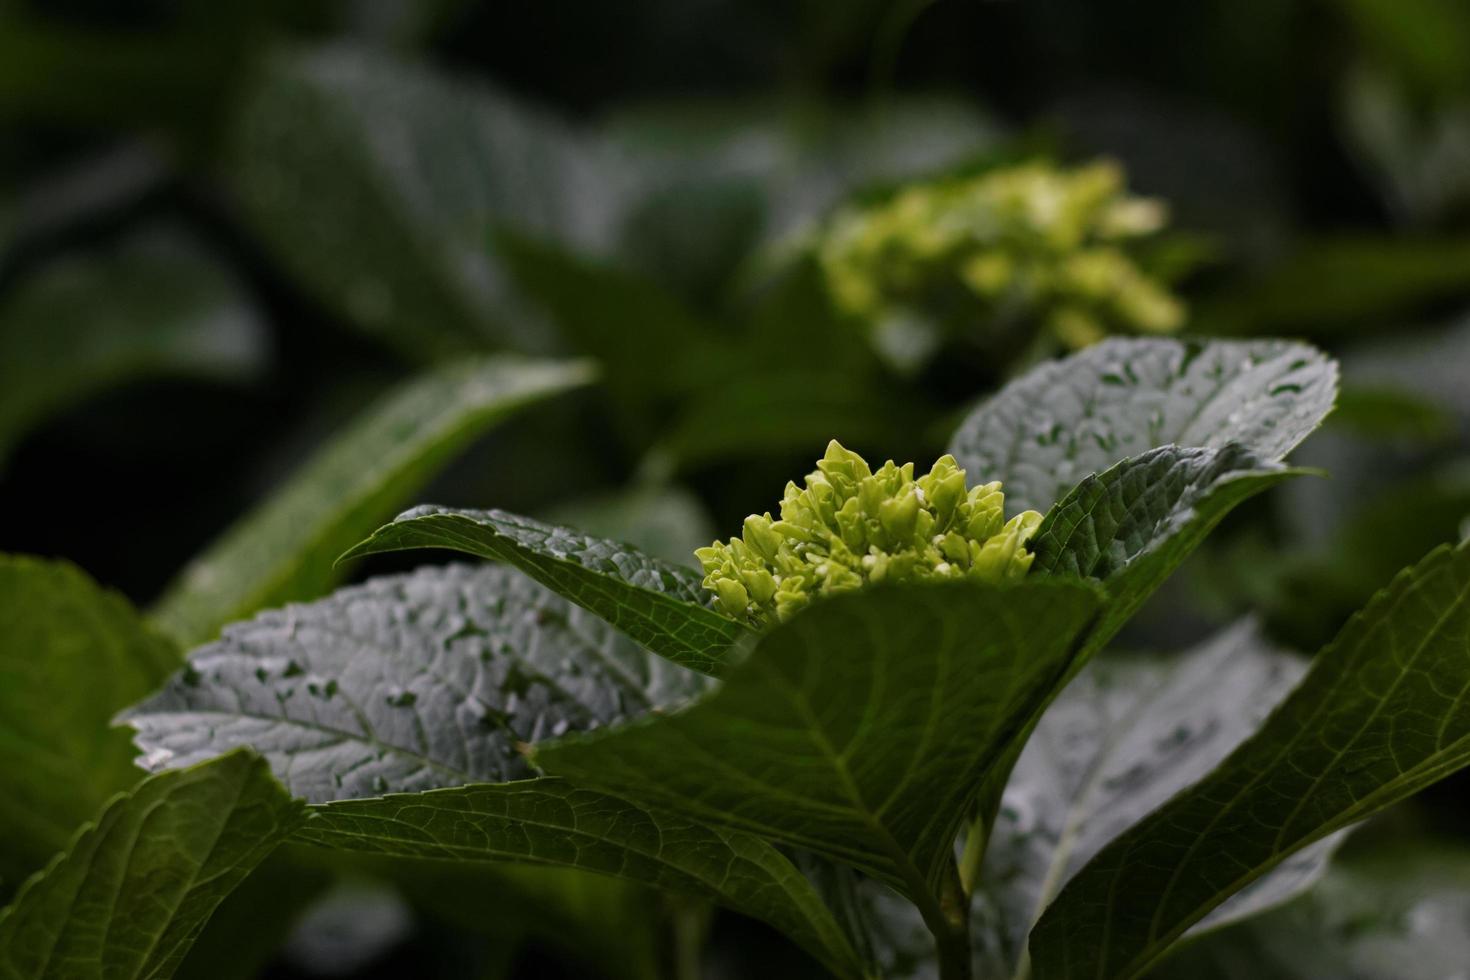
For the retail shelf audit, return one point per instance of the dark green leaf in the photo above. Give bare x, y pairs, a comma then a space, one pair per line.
1380, 715
1122, 739
858, 729
285, 549
1133, 524
153, 305
1071, 418
378, 185
71, 656
246, 931
660, 605
549, 821
129, 897
407, 682
1225, 412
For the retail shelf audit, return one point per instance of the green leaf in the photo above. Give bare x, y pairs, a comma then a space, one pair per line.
1134, 524
1071, 418
550, 821
136, 887
407, 682
1397, 912
1378, 717
284, 550
71, 656
1121, 740
378, 184
153, 305
862, 724
660, 605
1208, 421
245, 933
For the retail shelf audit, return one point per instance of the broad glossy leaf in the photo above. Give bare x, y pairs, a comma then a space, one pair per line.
378, 184
660, 605
551, 821
857, 730
129, 897
1380, 715
154, 305
71, 656
407, 682
285, 549
1067, 419
1226, 411
1123, 738
1133, 524
1396, 912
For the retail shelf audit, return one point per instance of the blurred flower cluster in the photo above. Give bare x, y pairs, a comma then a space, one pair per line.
851, 526
1030, 246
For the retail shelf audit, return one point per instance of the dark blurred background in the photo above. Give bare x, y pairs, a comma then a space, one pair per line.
227, 226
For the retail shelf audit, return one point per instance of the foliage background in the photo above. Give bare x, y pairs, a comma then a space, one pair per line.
1313, 152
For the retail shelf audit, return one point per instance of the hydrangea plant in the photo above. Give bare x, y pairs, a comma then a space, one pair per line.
909, 766
1032, 244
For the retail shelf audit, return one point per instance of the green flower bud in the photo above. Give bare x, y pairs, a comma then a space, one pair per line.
850, 526
758, 537
1004, 557
898, 516
732, 596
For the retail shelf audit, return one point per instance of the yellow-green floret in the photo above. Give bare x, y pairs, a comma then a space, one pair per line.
850, 526
1029, 242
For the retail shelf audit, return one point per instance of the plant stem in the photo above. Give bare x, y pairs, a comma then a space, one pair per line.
952, 942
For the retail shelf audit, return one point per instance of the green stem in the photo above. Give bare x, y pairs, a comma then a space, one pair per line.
953, 943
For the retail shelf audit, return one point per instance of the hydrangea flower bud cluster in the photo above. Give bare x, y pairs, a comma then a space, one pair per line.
1027, 242
850, 526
